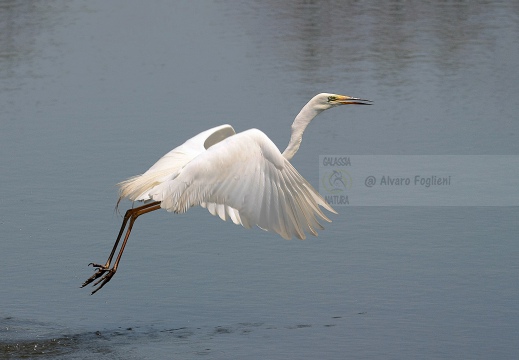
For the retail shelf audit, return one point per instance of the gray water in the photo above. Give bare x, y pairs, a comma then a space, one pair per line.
92, 92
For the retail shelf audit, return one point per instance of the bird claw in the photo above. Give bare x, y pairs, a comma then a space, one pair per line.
104, 280
105, 274
98, 266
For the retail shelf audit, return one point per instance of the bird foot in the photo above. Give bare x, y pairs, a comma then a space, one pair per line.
104, 273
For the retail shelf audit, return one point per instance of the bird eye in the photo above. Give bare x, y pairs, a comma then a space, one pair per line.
331, 98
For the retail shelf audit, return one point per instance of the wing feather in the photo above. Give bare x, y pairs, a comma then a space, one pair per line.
167, 167
245, 178
307, 198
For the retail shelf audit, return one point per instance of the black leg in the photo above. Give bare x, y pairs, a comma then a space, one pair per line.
132, 215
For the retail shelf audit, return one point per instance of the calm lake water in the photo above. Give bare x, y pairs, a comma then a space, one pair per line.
93, 92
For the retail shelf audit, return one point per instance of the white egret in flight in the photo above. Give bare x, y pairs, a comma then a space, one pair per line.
243, 177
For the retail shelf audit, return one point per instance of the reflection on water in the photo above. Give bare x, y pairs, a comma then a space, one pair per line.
386, 39
310, 37
22, 26
30, 339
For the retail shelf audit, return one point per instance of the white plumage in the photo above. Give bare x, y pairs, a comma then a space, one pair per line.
242, 177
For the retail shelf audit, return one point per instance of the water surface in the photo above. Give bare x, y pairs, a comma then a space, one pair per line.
94, 92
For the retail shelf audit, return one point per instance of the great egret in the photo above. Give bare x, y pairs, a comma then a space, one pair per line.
242, 176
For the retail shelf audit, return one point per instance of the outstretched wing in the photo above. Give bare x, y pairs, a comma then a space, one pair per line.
245, 177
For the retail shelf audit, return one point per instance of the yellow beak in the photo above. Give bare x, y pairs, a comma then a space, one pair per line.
349, 100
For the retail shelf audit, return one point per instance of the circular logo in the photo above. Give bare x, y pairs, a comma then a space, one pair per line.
336, 181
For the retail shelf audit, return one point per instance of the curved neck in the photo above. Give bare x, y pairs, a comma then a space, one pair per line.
307, 114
